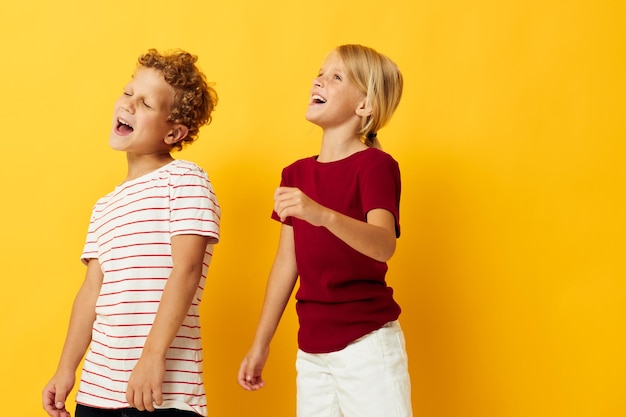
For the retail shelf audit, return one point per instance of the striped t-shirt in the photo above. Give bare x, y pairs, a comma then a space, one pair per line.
130, 234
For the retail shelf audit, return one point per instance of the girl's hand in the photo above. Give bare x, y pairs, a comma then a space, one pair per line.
290, 201
375, 237
250, 372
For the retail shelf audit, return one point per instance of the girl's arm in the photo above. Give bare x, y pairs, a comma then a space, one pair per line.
76, 342
280, 284
375, 238
146, 380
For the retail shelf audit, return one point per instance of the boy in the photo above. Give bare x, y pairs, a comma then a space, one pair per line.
148, 249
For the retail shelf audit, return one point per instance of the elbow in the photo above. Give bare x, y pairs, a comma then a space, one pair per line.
385, 250
384, 257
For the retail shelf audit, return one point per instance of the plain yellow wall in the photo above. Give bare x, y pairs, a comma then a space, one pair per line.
511, 140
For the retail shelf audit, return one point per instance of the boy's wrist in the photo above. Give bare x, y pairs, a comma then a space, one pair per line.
153, 353
63, 370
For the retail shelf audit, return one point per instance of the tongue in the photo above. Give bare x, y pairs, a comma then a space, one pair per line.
123, 129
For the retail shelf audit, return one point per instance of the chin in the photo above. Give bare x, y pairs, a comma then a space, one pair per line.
117, 143
309, 117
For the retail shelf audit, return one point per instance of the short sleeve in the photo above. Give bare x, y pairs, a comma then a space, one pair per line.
380, 185
284, 182
90, 249
194, 208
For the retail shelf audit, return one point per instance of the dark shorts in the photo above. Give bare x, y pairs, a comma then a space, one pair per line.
84, 411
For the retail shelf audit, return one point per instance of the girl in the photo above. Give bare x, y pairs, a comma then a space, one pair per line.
340, 220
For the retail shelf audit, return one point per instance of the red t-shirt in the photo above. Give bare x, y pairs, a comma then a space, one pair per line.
343, 294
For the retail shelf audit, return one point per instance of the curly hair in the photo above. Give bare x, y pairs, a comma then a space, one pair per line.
194, 99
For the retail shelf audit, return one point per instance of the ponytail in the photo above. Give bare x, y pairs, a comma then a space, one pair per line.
372, 141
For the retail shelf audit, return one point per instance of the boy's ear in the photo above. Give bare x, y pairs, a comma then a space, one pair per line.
176, 134
364, 108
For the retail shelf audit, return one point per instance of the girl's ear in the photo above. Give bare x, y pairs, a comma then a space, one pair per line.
176, 134
364, 108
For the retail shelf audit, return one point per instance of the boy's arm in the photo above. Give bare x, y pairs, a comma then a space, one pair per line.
375, 238
280, 284
76, 342
146, 380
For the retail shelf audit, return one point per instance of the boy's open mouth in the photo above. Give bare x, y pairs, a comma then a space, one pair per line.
123, 127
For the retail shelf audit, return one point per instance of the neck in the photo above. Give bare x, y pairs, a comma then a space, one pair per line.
338, 145
139, 165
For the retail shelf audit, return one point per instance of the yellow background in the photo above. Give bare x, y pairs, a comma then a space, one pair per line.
511, 140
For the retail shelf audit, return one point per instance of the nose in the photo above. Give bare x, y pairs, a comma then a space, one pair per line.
317, 81
127, 105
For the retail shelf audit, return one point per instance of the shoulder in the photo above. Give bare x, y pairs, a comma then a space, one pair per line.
375, 154
301, 163
373, 160
182, 167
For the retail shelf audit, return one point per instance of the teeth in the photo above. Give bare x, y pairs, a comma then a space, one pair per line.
123, 122
318, 98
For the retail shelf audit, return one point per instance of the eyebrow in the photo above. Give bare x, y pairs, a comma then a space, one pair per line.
332, 69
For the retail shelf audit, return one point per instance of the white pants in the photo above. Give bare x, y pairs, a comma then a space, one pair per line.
368, 378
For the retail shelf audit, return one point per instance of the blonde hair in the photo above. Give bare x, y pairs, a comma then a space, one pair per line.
379, 78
